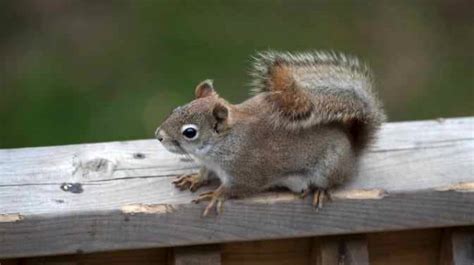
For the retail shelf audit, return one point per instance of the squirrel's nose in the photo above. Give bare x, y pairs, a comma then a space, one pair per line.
158, 135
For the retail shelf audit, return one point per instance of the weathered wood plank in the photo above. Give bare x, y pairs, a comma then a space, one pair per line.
77, 198
346, 250
197, 255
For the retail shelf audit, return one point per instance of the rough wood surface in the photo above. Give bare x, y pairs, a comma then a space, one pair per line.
118, 195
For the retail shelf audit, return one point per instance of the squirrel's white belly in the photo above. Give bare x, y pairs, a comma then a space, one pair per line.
210, 165
296, 184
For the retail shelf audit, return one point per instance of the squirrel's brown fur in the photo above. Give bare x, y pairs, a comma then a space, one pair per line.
311, 116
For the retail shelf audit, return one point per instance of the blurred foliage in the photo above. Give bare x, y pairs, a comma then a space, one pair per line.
88, 71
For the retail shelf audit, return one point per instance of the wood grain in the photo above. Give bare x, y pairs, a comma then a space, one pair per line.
65, 199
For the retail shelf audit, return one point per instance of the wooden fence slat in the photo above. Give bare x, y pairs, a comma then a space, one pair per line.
325, 252
118, 195
458, 247
294, 251
347, 250
197, 255
446, 246
357, 251
414, 247
463, 248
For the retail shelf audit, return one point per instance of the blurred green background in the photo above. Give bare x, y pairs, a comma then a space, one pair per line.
89, 71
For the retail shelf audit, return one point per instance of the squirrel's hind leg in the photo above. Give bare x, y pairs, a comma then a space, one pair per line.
216, 198
301, 185
335, 166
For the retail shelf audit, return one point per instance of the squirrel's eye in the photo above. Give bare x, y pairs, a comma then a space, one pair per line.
190, 131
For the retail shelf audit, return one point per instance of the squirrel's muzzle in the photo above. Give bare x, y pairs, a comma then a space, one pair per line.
158, 135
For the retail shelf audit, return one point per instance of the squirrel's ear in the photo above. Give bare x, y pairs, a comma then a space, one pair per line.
220, 113
205, 89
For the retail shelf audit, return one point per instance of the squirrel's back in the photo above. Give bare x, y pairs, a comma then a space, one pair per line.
314, 88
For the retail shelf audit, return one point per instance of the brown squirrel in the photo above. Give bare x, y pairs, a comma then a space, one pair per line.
312, 115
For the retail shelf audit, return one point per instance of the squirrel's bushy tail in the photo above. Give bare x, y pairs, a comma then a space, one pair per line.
362, 131
314, 88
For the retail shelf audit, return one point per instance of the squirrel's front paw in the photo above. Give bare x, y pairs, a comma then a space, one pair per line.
216, 197
189, 181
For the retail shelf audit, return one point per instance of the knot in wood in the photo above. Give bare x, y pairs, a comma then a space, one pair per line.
98, 164
139, 156
93, 168
72, 187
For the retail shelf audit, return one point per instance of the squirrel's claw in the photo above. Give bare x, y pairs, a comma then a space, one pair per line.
319, 196
189, 181
216, 200
205, 196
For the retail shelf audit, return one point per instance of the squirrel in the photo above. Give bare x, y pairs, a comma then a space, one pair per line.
311, 116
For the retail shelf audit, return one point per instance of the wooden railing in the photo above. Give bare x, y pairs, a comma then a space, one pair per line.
118, 195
